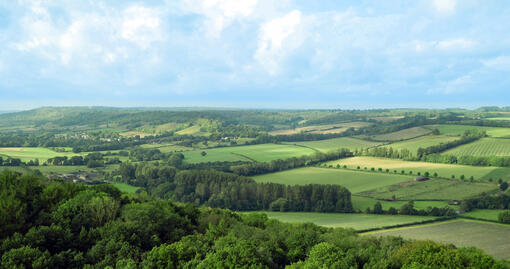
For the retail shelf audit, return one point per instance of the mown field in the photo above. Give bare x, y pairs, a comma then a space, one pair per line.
26, 153
457, 130
490, 237
260, 153
443, 170
355, 181
402, 134
354, 221
421, 142
433, 189
337, 143
484, 147
487, 214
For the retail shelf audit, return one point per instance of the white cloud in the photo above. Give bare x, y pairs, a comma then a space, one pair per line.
455, 44
450, 45
498, 63
141, 25
445, 6
273, 37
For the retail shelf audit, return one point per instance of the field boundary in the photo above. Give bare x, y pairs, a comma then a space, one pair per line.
440, 219
244, 156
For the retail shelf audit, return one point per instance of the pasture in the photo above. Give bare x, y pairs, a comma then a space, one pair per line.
485, 147
354, 221
490, 237
433, 189
165, 148
402, 134
443, 170
361, 203
26, 154
457, 130
355, 181
421, 142
322, 129
259, 153
193, 130
486, 214
125, 187
337, 143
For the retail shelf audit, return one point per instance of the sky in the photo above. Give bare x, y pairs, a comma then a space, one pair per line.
254, 53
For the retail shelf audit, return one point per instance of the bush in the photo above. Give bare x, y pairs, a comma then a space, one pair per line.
504, 217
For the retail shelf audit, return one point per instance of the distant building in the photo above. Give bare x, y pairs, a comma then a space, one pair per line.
420, 178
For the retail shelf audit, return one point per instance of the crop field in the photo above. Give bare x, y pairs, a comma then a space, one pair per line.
361, 203
402, 134
486, 214
322, 129
27, 154
457, 130
355, 181
490, 237
354, 221
337, 143
421, 142
483, 147
443, 170
433, 189
260, 153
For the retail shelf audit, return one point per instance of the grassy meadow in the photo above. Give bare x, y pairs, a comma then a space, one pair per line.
337, 143
490, 237
125, 187
259, 153
457, 130
484, 147
486, 214
355, 181
354, 221
421, 142
402, 134
26, 154
443, 170
362, 202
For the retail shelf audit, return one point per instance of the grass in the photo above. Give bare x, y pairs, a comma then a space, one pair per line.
486, 214
433, 189
443, 170
165, 148
355, 181
361, 203
125, 187
354, 221
337, 143
490, 237
456, 130
498, 118
322, 129
483, 147
259, 153
193, 130
402, 134
27, 153
421, 142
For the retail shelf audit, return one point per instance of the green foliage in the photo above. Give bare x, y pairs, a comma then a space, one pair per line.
504, 217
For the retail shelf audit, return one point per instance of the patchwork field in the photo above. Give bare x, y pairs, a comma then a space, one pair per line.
26, 154
457, 130
443, 170
483, 147
355, 181
260, 153
337, 143
433, 189
487, 214
421, 142
402, 134
322, 129
490, 237
354, 221
361, 203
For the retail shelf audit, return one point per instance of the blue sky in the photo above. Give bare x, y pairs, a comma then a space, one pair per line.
254, 53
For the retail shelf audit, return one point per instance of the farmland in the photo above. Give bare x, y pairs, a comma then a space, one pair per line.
492, 238
421, 142
261, 153
354, 221
443, 170
27, 154
486, 214
125, 187
484, 147
321, 129
434, 189
402, 134
337, 143
355, 181
361, 203
457, 130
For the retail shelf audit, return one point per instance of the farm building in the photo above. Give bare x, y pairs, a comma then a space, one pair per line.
420, 178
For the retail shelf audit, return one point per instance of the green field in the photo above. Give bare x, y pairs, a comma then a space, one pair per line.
443, 170
490, 237
499, 118
355, 181
324, 129
337, 143
165, 148
487, 214
421, 142
354, 221
361, 203
260, 153
193, 130
402, 134
125, 187
26, 154
433, 189
456, 130
484, 147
